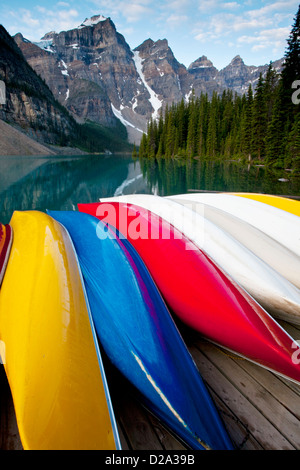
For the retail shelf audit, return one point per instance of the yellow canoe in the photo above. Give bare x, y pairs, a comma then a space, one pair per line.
284, 203
51, 356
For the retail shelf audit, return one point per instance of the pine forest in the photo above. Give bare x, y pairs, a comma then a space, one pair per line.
262, 126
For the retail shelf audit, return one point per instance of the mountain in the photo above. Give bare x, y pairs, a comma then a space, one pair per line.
94, 74
30, 105
91, 72
38, 117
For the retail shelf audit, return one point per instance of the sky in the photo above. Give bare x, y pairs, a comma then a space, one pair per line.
255, 30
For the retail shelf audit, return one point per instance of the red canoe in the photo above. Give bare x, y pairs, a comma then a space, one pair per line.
5, 246
199, 292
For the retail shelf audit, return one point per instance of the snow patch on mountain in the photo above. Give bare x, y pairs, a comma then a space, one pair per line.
46, 45
119, 116
92, 21
156, 103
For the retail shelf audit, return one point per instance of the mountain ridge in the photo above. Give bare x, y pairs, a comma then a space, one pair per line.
92, 71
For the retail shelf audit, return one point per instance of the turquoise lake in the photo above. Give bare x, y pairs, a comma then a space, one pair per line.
60, 183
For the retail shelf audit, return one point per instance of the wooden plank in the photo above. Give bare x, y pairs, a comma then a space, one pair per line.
237, 430
261, 398
168, 441
221, 374
124, 443
135, 423
276, 387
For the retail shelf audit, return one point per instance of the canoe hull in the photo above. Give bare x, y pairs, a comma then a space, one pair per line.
139, 336
283, 226
52, 361
284, 203
220, 310
280, 297
286, 263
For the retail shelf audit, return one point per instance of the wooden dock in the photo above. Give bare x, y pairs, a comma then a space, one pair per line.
261, 410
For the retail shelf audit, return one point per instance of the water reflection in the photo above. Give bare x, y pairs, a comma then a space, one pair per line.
61, 183
173, 176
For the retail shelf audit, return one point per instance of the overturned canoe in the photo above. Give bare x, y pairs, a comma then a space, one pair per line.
199, 292
274, 292
139, 335
286, 263
283, 226
6, 236
52, 358
285, 203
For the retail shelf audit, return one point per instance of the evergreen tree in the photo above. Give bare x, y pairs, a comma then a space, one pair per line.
211, 139
192, 130
202, 125
259, 120
143, 146
270, 88
291, 67
246, 134
293, 145
274, 139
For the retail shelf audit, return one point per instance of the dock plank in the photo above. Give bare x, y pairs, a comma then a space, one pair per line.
9, 434
227, 379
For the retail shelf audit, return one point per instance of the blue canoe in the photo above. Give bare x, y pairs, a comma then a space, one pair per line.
139, 335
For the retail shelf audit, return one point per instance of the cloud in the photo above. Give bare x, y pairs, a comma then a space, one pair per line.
257, 20
231, 5
207, 6
35, 23
176, 20
271, 38
135, 11
132, 11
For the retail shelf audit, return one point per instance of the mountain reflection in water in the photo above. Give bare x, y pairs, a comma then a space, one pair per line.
60, 183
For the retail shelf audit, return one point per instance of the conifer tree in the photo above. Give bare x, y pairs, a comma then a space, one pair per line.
274, 138
293, 145
211, 140
202, 125
291, 67
258, 120
192, 130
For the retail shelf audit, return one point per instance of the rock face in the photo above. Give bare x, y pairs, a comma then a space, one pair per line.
161, 71
93, 72
29, 103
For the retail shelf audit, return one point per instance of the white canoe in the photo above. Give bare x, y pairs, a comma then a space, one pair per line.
284, 261
275, 293
283, 226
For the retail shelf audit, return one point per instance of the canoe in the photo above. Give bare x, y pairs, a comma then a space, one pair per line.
52, 359
199, 292
139, 335
286, 263
284, 203
283, 226
6, 236
276, 294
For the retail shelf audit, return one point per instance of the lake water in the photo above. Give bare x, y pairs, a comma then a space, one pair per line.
60, 183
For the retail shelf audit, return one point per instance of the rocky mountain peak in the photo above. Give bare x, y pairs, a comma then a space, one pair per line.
48, 36
93, 72
237, 61
202, 62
